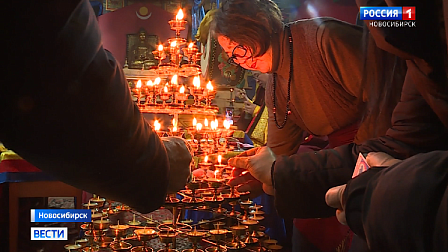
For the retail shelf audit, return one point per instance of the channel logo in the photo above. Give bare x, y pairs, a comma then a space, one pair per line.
49, 233
61, 215
387, 13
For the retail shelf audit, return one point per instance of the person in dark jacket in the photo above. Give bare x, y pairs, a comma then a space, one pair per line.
397, 205
66, 108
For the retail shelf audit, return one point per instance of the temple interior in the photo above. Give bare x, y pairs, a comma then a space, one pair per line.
187, 78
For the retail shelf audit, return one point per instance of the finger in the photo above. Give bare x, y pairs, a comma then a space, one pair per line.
255, 188
237, 172
242, 179
333, 196
340, 215
243, 188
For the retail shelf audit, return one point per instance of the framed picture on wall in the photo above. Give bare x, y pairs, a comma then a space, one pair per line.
114, 4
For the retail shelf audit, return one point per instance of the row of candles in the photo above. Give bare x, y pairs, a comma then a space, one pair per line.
173, 88
196, 125
174, 83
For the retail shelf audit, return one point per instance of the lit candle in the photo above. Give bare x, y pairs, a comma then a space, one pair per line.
150, 84
219, 159
160, 48
174, 79
226, 124
139, 84
174, 125
205, 122
173, 47
206, 159
216, 174
209, 86
138, 87
157, 81
194, 122
180, 15
190, 48
197, 82
156, 125
198, 126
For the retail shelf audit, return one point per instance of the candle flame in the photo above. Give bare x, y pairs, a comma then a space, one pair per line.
157, 81
206, 122
157, 125
139, 84
160, 48
219, 159
196, 82
226, 124
149, 83
213, 125
209, 86
190, 45
180, 15
206, 159
216, 173
174, 125
174, 79
198, 126
195, 121
182, 89
173, 44
165, 89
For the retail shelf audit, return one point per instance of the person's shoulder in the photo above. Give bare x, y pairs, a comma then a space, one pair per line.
331, 27
333, 31
326, 26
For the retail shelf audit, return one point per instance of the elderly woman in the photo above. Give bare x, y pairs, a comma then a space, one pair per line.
317, 66
419, 124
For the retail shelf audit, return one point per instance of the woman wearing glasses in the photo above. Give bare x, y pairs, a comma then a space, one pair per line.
317, 87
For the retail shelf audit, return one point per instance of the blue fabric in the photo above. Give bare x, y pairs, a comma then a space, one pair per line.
6, 177
275, 226
197, 14
247, 139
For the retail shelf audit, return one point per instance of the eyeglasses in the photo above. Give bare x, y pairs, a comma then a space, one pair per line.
238, 52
